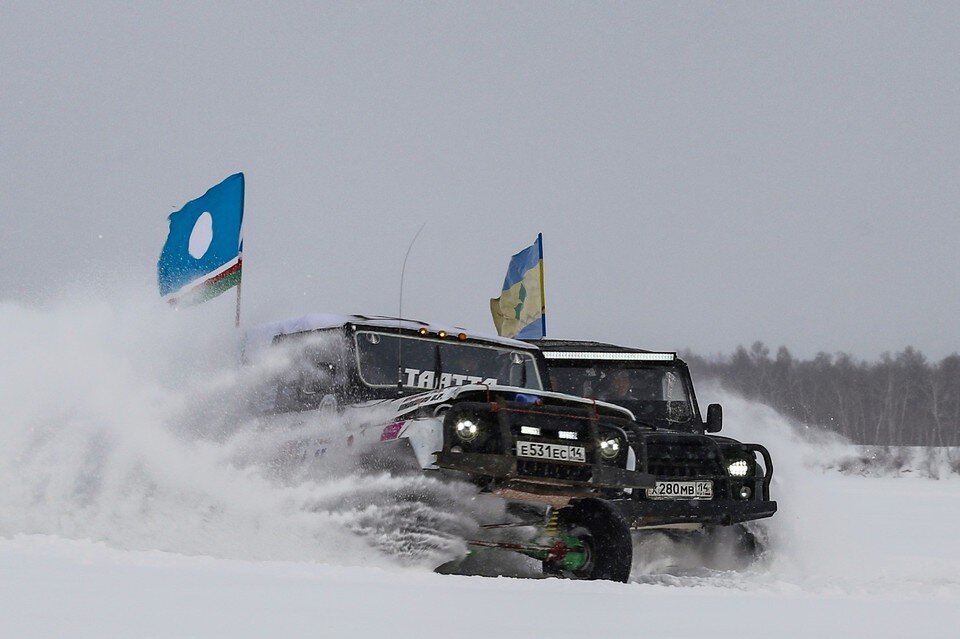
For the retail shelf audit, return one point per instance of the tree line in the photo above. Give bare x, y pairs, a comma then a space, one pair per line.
900, 400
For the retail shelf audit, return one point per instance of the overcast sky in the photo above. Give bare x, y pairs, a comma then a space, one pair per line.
704, 175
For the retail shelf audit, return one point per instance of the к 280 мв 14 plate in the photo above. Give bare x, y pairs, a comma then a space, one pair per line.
681, 490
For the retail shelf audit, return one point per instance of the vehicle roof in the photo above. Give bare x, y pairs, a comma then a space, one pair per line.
588, 346
265, 333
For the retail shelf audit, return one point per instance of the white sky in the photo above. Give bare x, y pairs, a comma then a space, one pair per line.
705, 175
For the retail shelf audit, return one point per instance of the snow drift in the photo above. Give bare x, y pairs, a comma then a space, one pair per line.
126, 424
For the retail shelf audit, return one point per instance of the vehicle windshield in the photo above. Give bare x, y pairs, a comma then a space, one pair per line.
429, 363
653, 393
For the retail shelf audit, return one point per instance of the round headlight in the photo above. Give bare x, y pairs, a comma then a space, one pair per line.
466, 429
609, 447
739, 468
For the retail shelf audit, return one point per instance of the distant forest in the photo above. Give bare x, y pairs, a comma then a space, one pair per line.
900, 400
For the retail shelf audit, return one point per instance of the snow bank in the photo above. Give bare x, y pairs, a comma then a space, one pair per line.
856, 533
80, 589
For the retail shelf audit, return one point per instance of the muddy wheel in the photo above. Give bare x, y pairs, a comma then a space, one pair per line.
594, 543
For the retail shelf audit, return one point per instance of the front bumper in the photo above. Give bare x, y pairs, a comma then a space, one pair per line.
637, 511
491, 458
647, 513
660, 456
582, 478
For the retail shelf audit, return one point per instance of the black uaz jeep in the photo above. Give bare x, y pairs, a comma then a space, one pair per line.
701, 478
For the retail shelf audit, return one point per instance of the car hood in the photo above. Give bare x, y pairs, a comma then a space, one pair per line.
411, 403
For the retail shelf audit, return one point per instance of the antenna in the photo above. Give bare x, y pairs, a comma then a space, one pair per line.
403, 272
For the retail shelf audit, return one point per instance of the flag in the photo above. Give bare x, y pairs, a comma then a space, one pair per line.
202, 256
520, 310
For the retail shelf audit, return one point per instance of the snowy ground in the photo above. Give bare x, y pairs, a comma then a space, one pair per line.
131, 504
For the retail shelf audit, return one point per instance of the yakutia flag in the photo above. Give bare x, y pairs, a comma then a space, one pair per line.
202, 256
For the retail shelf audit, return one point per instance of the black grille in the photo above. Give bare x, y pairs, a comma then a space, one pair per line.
682, 457
550, 470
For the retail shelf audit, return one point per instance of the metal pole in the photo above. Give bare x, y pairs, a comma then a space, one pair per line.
403, 272
239, 282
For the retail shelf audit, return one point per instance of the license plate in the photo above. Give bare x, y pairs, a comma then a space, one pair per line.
681, 490
552, 452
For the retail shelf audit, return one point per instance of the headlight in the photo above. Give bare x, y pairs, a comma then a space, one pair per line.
609, 447
466, 429
739, 468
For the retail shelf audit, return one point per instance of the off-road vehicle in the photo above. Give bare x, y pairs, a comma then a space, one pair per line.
580, 470
466, 406
699, 478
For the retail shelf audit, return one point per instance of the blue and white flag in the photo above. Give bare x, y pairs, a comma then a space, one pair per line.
520, 311
202, 256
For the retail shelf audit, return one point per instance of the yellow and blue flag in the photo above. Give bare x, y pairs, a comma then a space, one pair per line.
520, 311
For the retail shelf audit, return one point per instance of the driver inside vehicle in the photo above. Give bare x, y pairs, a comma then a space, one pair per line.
619, 386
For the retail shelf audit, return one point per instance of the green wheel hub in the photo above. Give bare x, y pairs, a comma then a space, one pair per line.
576, 554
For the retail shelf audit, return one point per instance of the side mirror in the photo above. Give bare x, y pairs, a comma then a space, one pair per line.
714, 418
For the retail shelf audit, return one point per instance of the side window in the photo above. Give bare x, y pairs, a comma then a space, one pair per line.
314, 371
673, 390
305, 384
574, 381
678, 405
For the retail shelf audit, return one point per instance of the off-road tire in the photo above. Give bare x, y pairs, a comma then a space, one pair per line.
606, 539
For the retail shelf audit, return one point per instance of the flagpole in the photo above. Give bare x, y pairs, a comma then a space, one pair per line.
543, 290
236, 323
243, 193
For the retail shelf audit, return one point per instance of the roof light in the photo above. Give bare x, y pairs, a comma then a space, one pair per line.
622, 357
441, 334
423, 331
462, 337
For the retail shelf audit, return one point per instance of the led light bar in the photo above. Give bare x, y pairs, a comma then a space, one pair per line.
529, 430
620, 357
